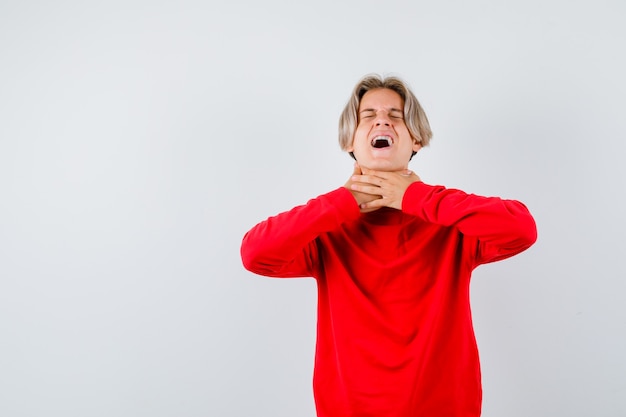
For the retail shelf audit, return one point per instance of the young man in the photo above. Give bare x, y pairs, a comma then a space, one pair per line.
392, 257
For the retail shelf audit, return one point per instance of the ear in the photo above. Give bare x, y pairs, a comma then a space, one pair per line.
416, 147
350, 150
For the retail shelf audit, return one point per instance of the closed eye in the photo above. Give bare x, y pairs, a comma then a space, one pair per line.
396, 114
366, 116
370, 114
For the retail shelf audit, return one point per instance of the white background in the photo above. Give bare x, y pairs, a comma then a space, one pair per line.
139, 141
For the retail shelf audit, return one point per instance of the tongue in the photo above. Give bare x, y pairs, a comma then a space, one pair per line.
380, 143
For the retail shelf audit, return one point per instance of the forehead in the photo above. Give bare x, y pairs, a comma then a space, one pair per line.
381, 98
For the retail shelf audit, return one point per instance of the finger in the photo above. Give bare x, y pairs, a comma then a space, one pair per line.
365, 188
374, 204
368, 179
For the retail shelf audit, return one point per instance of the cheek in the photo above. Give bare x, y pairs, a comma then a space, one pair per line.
360, 136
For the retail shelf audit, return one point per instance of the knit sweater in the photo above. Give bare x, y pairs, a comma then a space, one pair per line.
394, 333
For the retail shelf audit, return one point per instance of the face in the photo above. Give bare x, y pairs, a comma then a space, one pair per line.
382, 140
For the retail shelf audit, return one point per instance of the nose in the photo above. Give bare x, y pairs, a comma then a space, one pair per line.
382, 119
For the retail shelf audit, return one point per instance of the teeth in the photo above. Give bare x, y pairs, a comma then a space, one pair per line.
381, 141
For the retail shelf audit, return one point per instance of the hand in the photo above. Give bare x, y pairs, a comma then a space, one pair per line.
361, 197
389, 187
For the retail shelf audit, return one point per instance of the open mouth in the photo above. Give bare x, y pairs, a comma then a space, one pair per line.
382, 142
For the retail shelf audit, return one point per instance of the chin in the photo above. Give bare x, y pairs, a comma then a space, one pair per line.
392, 162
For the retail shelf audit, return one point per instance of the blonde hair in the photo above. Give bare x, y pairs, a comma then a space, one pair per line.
414, 116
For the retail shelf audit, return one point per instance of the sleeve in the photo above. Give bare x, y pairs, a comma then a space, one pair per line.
501, 228
285, 245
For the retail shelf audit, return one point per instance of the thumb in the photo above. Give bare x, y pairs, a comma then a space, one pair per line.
367, 171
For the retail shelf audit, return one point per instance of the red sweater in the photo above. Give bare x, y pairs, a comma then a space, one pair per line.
394, 333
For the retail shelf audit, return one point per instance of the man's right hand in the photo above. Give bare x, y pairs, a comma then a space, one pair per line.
360, 197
